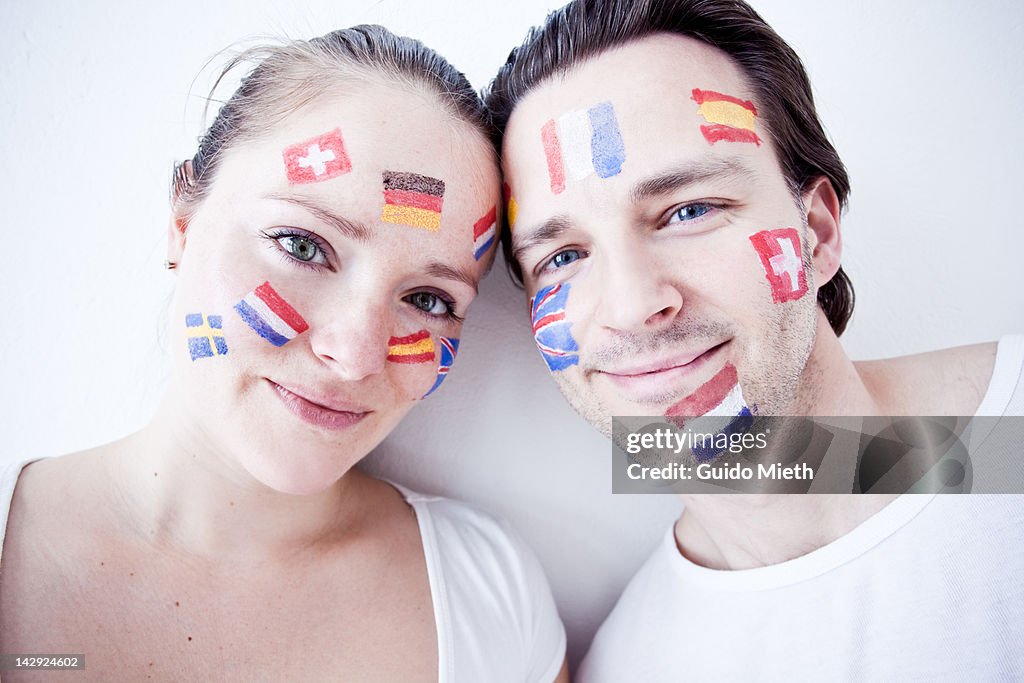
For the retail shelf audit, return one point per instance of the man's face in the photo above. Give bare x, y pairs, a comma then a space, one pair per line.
667, 260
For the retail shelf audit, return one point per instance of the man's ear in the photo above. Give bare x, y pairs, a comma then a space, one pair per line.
823, 209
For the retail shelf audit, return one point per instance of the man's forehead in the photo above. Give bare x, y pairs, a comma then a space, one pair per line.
643, 105
661, 68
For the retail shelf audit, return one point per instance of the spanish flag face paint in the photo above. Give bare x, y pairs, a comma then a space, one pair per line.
417, 347
729, 119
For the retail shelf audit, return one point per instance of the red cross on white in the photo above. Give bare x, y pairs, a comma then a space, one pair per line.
316, 159
321, 158
779, 251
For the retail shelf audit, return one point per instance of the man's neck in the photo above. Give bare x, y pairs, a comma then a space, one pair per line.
742, 531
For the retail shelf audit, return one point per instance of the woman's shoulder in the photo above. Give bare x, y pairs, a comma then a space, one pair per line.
458, 523
488, 581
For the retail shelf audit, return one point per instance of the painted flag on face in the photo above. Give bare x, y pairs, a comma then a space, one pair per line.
321, 158
720, 396
205, 335
551, 329
270, 316
417, 347
580, 143
412, 199
511, 207
731, 119
780, 254
483, 233
449, 347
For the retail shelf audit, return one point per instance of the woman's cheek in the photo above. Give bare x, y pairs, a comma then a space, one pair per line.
263, 317
419, 361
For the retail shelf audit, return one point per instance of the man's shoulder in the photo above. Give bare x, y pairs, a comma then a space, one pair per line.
944, 382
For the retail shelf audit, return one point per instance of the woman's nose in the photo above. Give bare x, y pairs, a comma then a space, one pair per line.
354, 342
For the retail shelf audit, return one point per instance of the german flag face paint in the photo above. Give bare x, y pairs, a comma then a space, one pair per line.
412, 199
729, 119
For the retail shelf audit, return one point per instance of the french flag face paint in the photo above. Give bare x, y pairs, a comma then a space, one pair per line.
551, 329
484, 231
582, 143
270, 316
780, 254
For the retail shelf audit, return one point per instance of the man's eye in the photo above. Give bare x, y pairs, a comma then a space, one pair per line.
689, 213
563, 258
302, 248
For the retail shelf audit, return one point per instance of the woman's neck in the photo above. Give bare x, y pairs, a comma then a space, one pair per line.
179, 489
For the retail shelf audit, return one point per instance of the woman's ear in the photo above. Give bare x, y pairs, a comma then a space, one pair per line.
175, 240
823, 209
178, 224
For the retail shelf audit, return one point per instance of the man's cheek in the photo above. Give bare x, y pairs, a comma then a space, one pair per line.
552, 330
782, 260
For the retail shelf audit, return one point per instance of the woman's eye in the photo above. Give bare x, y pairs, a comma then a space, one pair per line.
302, 248
430, 303
689, 213
563, 258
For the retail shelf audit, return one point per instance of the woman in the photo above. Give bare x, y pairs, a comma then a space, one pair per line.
327, 238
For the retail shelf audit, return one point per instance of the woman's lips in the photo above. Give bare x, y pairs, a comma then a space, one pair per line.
337, 416
654, 380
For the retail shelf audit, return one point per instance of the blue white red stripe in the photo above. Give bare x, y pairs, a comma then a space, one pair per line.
270, 316
581, 143
484, 231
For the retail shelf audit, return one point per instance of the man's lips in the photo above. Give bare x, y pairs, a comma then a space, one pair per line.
662, 377
319, 409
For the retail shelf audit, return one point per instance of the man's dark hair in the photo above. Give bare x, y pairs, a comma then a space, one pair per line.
586, 28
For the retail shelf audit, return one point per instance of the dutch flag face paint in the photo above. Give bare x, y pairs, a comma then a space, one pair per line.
270, 316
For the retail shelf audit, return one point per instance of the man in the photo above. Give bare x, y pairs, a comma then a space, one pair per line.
675, 210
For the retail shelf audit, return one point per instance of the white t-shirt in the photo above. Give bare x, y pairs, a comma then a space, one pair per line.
495, 617
929, 588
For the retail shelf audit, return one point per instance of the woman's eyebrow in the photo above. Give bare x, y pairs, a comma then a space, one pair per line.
351, 229
444, 271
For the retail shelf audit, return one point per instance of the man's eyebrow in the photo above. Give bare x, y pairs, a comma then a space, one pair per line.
548, 231
690, 174
351, 229
446, 272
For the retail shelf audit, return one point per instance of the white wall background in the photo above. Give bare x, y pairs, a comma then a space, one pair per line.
923, 101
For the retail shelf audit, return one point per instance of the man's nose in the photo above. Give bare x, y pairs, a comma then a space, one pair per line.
637, 291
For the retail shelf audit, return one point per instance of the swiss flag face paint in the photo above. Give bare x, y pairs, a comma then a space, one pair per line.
780, 255
320, 158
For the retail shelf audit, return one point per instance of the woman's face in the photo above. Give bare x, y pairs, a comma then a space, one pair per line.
323, 281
